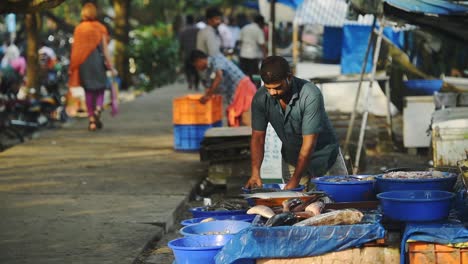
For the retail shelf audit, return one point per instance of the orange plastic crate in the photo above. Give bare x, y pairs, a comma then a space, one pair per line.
187, 110
430, 253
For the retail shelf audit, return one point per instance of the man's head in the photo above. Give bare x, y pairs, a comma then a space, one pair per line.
199, 60
259, 20
213, 17
276, 75
189, 20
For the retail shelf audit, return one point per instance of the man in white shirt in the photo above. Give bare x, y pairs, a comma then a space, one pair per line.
208, 39
252, 46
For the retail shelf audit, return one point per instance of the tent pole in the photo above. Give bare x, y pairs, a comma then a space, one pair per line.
271, 30
389, 114
366, 106
356, 99
295, 51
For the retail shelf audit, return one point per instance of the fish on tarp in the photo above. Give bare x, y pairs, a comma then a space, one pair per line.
290, 204
262, 210
283, 219
338, 217
316, 207
303, 215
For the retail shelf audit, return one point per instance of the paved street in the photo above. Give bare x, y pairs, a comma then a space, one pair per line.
72, 196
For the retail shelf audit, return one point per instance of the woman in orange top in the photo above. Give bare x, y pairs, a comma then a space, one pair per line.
89, 61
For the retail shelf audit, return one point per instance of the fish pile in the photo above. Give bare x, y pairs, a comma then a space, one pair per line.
298, 212
413, 175
224, 205
349, 179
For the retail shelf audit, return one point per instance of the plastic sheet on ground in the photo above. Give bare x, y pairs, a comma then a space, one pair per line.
295, 241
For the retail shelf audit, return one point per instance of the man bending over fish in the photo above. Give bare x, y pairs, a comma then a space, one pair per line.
295, 109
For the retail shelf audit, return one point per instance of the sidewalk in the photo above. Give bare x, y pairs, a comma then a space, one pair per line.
72, 196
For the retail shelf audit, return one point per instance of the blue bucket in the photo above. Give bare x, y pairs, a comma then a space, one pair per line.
445, 183
346, 191
215, 228
197, 249
416, 206
242, 217
201, 212
424, 87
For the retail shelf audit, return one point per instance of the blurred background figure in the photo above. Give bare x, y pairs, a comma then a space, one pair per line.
10, 53
188, 40
252, 46
89, 61
226, 37
208, 39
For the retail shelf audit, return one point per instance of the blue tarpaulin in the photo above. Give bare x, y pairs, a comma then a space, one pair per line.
292, 3
441, 233
355, 39
444, 16
332, 42
295, 241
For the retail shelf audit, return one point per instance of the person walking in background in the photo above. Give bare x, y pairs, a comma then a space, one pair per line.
221, 75
89, 61
187, 40
252, 46
208, 39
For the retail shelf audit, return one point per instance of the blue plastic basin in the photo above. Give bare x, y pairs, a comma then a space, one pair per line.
279, 186
442, 184
416, 206
348, 191
201, 212
424, 87
197, 249
242, 217
214, 228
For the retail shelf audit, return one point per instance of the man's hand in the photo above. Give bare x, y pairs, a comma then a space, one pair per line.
293, 183
205, 99
254, 182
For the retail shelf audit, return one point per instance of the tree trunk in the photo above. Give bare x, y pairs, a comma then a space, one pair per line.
32, 21
122, 11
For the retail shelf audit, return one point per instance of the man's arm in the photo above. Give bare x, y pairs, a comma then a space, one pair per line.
307, 148
214, 86
257, 148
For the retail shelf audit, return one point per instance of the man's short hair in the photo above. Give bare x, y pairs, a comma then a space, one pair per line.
196, 55
189, 19
274, 69
212, 12
259, 19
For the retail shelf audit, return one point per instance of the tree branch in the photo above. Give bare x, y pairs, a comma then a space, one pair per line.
27, 6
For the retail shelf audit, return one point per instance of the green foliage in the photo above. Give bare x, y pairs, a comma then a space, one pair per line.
155, 51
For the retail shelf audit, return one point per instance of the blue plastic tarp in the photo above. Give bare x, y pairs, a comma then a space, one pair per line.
446, 17
355, 39
332, 42
436, 7
292, 3
295, 241
441, 233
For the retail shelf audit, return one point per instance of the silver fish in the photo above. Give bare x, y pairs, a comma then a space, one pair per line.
262, 210
338, 217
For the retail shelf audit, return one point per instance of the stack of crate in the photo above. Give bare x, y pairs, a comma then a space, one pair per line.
191, 119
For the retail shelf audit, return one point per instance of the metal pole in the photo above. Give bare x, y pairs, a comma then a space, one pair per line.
389, 114
356, 99
272, 27
366, 106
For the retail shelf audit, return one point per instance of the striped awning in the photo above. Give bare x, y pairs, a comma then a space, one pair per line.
322, 12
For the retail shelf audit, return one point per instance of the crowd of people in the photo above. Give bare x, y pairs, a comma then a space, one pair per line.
206, 48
